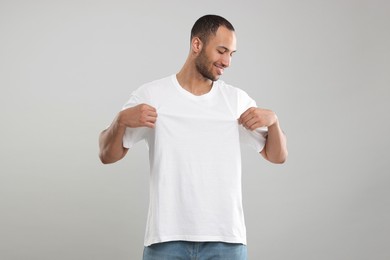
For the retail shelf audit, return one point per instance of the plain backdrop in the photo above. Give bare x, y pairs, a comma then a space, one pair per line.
67, 67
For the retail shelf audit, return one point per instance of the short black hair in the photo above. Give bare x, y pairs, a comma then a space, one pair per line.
207, 25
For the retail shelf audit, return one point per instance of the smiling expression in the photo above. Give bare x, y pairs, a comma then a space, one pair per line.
216, 54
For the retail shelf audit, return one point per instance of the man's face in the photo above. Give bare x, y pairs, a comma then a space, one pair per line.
216, 55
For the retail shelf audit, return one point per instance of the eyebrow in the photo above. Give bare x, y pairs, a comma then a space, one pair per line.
226, 49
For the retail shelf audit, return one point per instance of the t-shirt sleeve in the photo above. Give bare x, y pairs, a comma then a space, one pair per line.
134, 135
256, 138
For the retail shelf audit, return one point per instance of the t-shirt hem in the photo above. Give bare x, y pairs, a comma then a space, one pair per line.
155, 240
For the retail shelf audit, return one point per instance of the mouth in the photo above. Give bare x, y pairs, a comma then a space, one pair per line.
220, 69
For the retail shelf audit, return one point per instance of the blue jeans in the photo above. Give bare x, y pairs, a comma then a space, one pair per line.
185, 250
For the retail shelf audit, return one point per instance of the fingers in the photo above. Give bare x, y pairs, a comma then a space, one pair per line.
249, 119
142, 115
252, 124
148, 115
150, 120
254, 118
146, 107
246, 116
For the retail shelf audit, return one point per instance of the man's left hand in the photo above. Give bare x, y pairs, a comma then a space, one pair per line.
255, 117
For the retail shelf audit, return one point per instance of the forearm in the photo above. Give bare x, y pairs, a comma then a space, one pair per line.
275, 149
111, 143
111, 139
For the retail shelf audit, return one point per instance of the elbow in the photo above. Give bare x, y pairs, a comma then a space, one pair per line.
105, 159
280, 160
276, 159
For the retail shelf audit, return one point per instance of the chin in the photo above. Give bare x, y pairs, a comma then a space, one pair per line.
217, 77
212, 78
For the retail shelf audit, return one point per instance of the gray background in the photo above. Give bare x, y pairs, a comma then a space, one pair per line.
67, 67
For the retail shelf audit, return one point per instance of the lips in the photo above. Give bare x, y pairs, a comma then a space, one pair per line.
219, 69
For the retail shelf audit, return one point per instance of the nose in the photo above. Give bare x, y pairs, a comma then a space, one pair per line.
226, 60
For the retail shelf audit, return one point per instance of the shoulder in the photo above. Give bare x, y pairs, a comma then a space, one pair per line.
231, 90
240, 98
155, 85
150, 93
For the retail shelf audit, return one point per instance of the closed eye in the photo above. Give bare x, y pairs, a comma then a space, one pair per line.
223, 50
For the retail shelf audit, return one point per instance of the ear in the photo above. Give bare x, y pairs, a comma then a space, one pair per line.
196, 45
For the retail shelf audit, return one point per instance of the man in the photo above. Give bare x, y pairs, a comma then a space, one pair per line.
194, 124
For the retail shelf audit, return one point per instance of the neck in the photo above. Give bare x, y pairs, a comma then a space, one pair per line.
191, 80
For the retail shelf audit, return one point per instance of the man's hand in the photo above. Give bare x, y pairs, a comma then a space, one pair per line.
255, 117
275, 149
111, 139
142, 115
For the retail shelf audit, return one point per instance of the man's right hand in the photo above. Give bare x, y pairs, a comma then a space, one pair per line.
142, 115
110, 140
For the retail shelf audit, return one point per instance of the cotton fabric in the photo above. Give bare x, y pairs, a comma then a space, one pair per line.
195, 161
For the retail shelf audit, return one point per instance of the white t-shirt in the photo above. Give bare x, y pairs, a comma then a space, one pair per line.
195, 161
